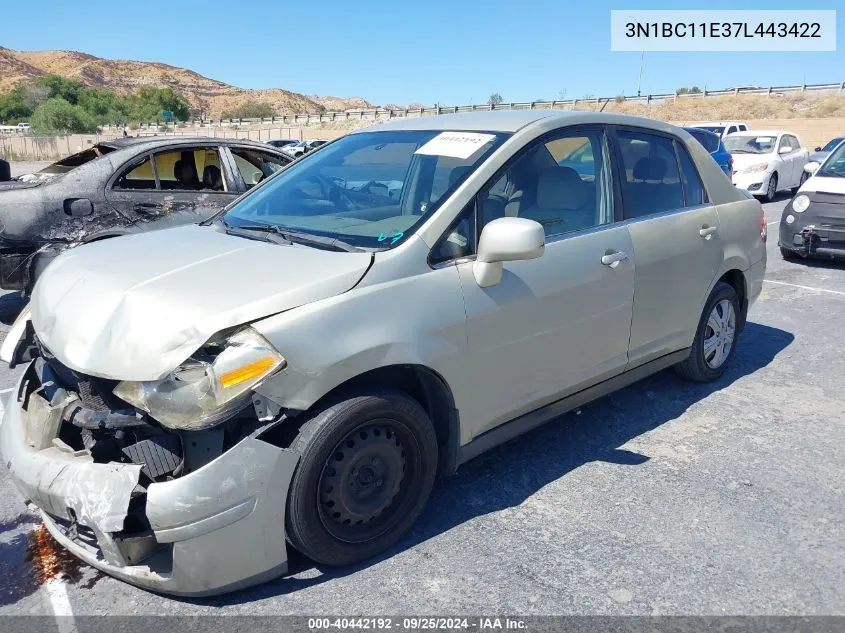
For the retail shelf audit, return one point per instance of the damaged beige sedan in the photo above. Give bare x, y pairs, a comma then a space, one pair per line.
297, 370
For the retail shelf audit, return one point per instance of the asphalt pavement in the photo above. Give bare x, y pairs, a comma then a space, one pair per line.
664, 498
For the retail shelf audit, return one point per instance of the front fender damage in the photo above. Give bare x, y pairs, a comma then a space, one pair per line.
215, 528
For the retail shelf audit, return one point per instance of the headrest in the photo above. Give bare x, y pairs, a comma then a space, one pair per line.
211, 177
457, 173
649, 168
560, 188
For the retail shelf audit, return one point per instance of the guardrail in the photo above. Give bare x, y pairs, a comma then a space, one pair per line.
385, 113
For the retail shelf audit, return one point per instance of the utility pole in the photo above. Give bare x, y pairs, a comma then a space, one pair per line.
640, 77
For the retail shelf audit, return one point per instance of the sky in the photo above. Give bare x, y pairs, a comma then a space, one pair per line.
451, 52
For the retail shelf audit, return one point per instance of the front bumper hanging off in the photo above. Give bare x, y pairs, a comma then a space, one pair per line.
213, 530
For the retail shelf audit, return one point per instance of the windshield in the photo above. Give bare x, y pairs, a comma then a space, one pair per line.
834, 166
832, 144
370, 189
712, 128
750, 144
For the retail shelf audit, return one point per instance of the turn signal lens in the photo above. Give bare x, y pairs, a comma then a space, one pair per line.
247, 372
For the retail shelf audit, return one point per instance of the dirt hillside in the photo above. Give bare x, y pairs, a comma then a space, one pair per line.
208, 97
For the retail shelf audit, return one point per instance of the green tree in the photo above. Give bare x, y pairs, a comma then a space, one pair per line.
58, 86
250, 109
57, 115
104, 106
149, 102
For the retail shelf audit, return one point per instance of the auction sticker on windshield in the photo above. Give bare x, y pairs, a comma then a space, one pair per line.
455, 144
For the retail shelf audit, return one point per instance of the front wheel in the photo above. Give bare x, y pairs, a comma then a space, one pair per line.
715, 339
366, 469
786, 253
772, 188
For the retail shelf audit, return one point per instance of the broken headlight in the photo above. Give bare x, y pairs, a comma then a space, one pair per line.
209, 386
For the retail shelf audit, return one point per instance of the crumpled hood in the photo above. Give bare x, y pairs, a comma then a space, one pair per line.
741, 161
135, 307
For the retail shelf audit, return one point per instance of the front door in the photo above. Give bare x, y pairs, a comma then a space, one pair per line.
559, 323
677, 247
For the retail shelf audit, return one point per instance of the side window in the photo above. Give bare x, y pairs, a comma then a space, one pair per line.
794, 143
652, 182
191, 169
694, 193
254, 166
731, 130
784, 142
743, 128
138, 176
459, 239
562, 183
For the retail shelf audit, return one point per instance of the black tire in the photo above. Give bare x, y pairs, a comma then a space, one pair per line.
349, 468
786, 253
771, 189
801, 181
696, 366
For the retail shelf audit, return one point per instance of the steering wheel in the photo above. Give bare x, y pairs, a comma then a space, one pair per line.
331, 190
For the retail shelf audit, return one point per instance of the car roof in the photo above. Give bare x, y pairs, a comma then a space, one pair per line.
762, 133
698, 130
157, 141
512, 121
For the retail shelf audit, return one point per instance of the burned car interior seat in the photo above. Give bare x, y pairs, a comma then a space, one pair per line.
185, 173
212, 178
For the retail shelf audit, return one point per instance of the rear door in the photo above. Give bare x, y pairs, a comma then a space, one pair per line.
150, 192
675, 234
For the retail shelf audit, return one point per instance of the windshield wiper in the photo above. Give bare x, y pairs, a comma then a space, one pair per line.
268, 232
288, 236
319, 240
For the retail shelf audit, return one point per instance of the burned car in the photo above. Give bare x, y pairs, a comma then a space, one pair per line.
117, 187
298, 370
813, 222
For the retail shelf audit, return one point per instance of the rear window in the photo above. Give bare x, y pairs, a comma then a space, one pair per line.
75, 160
709, 140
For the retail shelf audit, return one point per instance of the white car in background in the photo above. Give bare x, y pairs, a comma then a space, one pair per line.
722, 128
766, 162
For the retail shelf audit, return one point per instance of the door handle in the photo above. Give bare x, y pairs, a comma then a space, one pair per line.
612, 258
707, 231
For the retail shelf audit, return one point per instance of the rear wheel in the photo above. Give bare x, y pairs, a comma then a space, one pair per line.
715, 340
366, 469
772, 188
786, 253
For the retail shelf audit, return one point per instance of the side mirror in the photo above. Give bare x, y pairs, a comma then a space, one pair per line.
506, 240
812, 167
78, 207
818, 149
784, 150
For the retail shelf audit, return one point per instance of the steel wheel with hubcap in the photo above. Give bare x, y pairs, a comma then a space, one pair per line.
715, 339
367, 465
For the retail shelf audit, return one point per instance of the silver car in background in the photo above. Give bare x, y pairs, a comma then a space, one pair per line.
298, 370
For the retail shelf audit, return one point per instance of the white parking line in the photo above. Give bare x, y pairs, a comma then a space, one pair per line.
7, 390
775, 222
783, 283
60, 603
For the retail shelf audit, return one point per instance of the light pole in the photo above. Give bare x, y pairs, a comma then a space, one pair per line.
640, 77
